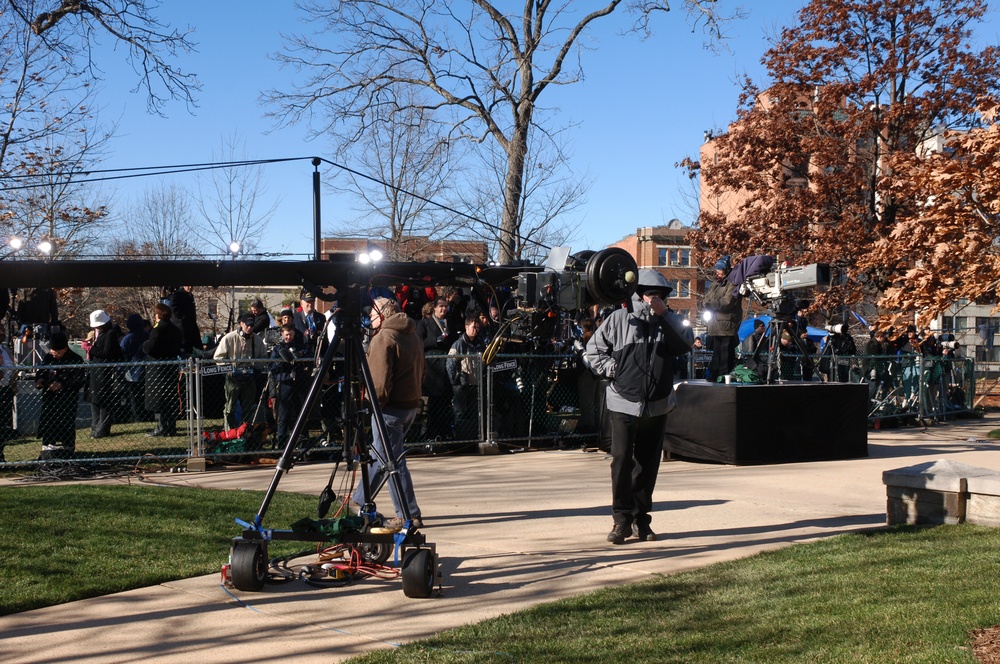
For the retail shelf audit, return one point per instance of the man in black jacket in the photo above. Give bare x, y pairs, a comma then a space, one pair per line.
60, 378
162, 397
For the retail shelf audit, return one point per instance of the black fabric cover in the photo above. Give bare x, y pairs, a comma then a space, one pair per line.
750, 424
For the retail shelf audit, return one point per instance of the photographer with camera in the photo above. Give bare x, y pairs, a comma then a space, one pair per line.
288, 381
634, 349
60, 377
841, 346
724, 307
241, 385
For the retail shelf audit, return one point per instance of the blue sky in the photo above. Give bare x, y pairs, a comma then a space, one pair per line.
643, 106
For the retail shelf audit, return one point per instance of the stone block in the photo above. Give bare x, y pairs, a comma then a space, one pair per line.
942, 492
909, 506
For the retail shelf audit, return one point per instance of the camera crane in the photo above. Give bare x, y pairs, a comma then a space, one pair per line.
606, 276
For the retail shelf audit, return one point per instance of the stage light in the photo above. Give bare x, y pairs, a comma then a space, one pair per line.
234, 248
15, 243
371, 256
45, 247
707, 316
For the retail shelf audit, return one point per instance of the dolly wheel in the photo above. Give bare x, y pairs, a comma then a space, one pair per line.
418, 573
249, 565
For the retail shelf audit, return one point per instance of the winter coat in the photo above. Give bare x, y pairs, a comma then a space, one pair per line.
397, 363
164, 343
726, 305
632, 350
131, 345
428, 331
106, 348
463, 363
58, 418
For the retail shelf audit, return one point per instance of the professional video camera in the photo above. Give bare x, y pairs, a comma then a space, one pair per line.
776, 284
777, 288
544, 302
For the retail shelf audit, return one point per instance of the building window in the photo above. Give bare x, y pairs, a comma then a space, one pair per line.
674, 257
685, 288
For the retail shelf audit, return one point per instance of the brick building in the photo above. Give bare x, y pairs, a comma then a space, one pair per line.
411, 248
666, 249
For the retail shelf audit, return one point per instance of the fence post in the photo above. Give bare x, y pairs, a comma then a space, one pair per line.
197, 406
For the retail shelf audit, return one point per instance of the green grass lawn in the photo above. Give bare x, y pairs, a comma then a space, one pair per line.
901, 595
894, 595
63, 543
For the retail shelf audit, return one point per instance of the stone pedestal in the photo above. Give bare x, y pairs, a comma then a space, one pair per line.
941, 492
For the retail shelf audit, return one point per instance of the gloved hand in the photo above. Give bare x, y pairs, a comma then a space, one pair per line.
442, 339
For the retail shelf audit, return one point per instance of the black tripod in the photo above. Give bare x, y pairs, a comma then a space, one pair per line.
248, 556
772, 338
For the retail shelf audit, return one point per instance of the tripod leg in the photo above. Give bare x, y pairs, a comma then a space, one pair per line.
378, 421
285, 461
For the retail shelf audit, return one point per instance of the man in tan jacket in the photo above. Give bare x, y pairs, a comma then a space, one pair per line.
396, 360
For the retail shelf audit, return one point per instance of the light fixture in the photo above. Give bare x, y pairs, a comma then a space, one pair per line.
372, 256
45, 247
234, 248
15, 243
707, 316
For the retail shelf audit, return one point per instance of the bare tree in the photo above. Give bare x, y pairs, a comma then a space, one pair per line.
485, 67
550, 192
231, 203
407, 164
159, 223
72, 29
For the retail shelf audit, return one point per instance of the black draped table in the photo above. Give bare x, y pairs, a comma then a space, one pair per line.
747, 424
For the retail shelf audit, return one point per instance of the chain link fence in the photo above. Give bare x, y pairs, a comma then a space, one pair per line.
242, 412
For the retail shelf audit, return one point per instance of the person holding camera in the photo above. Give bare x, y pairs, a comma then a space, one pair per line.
634, 349
464, 369
725, 307
288, 381
241, 385
60, 377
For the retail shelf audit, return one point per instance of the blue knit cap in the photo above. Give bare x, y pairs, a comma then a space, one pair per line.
723, 264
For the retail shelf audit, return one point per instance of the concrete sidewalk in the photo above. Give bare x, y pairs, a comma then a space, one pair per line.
511, 530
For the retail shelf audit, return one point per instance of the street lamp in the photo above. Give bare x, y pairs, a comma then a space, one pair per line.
234, 251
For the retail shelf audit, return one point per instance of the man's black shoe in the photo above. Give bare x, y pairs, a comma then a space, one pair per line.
617, 534
645, 533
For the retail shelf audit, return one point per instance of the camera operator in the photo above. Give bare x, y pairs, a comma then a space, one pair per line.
241, 385
876, 364
634, 349
725, 305
842, 346
289, 381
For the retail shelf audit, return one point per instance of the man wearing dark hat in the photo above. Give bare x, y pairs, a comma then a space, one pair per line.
60, 378
287, 317
634, 349
308, 321
241, 385
723, 312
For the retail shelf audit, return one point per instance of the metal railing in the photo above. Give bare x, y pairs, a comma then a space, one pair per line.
215, 409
